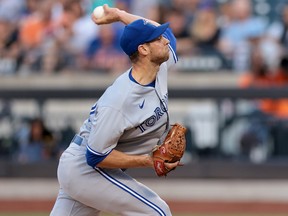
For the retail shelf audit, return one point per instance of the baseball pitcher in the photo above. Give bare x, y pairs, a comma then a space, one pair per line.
127, 127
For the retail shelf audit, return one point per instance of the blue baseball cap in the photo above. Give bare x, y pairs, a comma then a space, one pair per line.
139, 32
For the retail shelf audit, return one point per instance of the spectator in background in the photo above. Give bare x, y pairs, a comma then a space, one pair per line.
275, 42
10, 51
225, 14
35, 30
278, 30
258, 76
255, 140
268, 114
104, 54
36, 143
68, 42
261, 76
11, 12
30, 7
179, 25
280, 130
280, 78
239, 35
204, 30
189, 7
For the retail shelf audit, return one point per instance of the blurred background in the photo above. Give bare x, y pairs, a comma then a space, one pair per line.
229, 88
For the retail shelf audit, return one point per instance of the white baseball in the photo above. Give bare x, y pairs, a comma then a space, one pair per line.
98, 12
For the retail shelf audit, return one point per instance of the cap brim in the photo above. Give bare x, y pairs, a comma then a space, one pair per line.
159, 30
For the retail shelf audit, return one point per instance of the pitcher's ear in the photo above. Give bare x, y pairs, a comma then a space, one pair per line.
143, 49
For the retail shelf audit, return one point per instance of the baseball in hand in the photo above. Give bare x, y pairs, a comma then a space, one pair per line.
98, 12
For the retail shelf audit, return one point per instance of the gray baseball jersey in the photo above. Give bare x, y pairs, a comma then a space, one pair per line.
128, 117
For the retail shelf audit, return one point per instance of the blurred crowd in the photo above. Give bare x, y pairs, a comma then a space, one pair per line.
56, 36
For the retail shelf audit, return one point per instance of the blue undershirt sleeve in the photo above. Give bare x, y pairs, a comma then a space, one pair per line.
93, 159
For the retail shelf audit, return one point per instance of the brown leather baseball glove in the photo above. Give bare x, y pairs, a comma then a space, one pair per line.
171, 150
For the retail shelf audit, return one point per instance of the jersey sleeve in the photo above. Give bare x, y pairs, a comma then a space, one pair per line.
107, 125
172, 46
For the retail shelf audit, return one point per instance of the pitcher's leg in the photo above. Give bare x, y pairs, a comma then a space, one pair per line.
66, 206
129, 197
108, 190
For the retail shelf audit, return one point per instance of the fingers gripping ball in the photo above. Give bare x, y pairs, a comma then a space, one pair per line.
171, 150
98, 12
